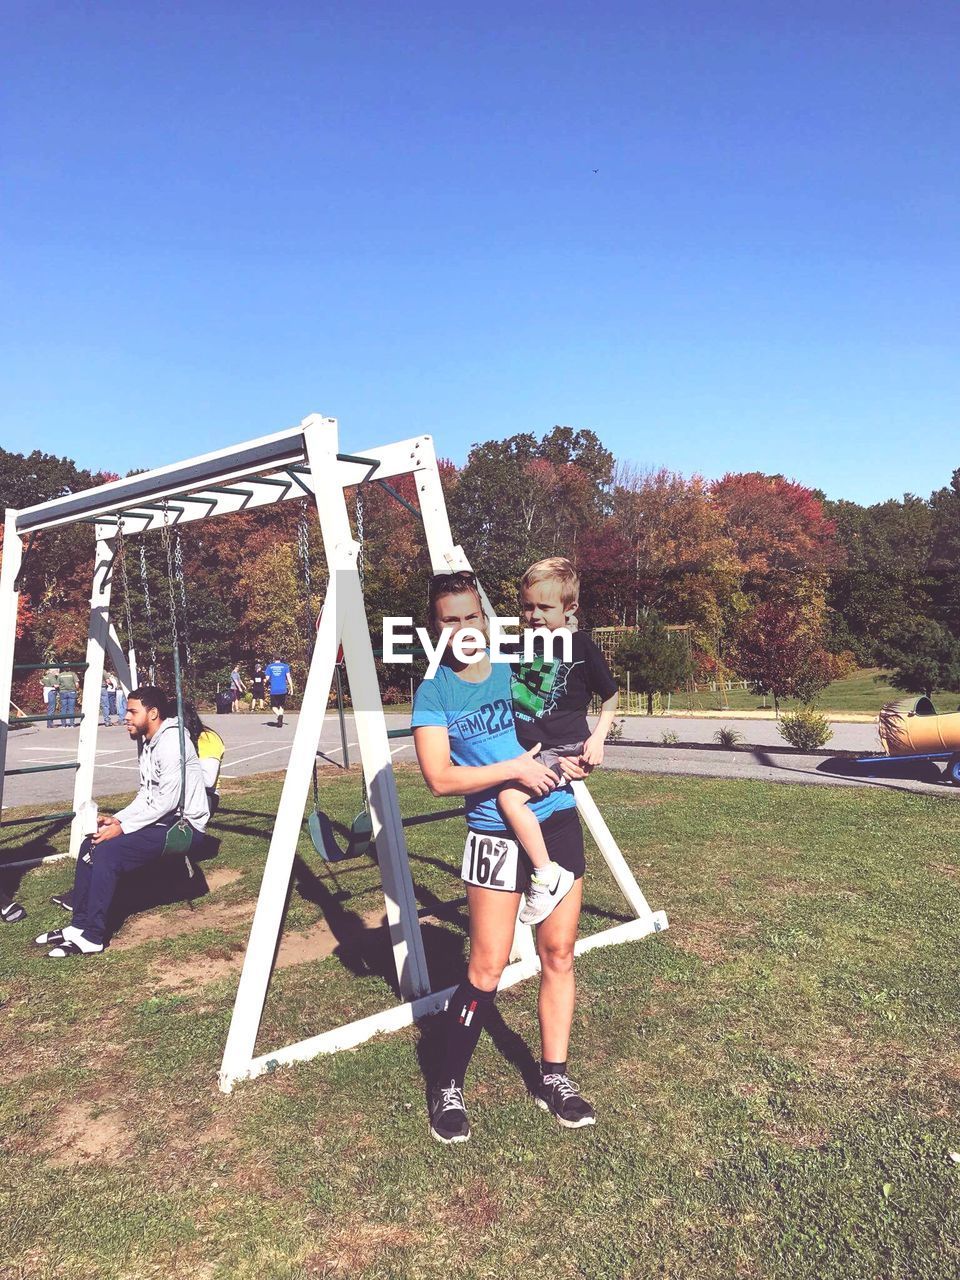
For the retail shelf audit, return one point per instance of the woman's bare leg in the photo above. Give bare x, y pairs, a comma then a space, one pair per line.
493, 915
555, 939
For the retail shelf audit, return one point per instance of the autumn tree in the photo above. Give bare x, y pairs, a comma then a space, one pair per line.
777, 651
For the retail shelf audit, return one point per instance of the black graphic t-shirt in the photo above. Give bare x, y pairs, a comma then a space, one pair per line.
550, 699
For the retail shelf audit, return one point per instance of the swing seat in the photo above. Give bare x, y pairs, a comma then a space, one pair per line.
179, 838
361, 835
325, 841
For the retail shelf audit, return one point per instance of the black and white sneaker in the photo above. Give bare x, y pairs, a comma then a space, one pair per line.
559, 1095
64, 900
548, 888
448, 1115
12, 913
280, 720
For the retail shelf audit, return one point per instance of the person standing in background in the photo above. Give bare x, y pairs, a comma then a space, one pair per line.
258, 687
69, 686
107, 688
51, 687
237, 687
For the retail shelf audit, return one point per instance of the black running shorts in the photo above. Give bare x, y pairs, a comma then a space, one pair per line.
278, 700
494, 859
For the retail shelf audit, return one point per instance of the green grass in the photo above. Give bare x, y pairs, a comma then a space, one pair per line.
777, 1076
862, 694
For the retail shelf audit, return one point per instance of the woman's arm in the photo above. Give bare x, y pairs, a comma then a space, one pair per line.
444, 778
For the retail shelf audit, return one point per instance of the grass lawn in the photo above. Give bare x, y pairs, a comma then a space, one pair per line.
777, 1077
860, 693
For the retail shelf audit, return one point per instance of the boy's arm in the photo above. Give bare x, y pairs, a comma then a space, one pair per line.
593, 747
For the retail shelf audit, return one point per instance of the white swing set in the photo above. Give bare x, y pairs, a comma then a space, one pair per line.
304, 462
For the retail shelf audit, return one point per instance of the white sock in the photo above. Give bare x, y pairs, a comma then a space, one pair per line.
546, 875
72, 934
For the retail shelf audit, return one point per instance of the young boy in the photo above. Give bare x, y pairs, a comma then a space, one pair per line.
550, 701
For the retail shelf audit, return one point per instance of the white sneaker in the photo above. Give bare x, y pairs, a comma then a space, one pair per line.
544, 895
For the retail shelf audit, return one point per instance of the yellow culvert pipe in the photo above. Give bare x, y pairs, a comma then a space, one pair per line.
911, 726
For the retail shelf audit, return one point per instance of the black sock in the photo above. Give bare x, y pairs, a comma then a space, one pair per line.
466, 1017
553, 1068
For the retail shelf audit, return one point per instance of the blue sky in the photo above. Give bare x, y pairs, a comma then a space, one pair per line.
218, 218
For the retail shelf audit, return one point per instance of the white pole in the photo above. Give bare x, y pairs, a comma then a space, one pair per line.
121, 661
320, 440
98, 633
268, 917
10, 566
611, 852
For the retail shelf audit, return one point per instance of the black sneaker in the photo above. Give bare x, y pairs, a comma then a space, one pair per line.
448, 1116
562, 1098
64, 900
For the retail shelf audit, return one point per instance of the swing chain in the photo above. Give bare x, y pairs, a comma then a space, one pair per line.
149, 610
178, 560
360, 564
303, 553
122, 565
168, 552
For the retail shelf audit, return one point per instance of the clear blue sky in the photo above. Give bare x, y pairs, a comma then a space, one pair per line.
220, 217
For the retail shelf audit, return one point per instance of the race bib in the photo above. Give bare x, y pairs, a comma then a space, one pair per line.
490, 861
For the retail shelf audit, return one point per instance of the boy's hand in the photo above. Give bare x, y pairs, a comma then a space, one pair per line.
592, 753
572, 769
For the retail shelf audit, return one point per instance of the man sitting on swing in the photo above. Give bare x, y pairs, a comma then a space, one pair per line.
171, 796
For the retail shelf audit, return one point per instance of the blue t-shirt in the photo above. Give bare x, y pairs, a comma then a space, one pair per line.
479, 720
276, 673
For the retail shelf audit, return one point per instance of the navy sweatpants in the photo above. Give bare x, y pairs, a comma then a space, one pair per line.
99, 866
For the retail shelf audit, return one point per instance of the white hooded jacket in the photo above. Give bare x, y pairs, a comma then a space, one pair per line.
159, 794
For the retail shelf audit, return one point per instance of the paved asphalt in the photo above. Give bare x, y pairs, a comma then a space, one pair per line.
256, 745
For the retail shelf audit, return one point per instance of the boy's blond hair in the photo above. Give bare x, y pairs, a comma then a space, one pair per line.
557, 569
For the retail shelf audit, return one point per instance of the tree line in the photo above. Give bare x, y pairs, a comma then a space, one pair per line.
753, 575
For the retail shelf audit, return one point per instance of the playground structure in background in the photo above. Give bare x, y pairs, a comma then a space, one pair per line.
302, 463
911, 730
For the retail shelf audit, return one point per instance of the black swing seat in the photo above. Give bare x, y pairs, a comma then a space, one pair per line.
359, 840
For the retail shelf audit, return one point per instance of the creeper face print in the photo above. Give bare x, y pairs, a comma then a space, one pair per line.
533, 684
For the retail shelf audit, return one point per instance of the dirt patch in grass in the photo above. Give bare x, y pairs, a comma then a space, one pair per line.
945, 869
353, 1250
155, 926
296, 948
709, 939
82, 1133
790, 887
472, 1207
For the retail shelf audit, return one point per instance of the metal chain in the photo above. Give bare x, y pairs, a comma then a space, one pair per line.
168, 551
303, 552
122, 565
146, 600
178, 560
360, 564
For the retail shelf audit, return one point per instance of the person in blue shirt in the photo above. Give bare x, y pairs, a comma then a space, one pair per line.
466, 744
281, 683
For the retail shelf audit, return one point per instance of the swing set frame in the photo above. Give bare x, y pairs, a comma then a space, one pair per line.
302, 462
